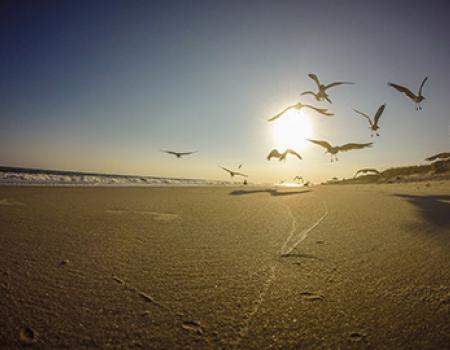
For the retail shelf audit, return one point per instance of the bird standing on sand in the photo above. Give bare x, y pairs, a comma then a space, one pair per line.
373, 124
233, 173
367, 170
444, 155
298, 107
322, 94
282, 156
178, 154
334, 150
417, 99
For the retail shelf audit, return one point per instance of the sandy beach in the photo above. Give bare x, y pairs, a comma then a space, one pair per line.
350, 267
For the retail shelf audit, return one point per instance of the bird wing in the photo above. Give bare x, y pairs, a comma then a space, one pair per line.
337, 83
169, 152
186, 153
227, 170
367, 170
438, 156
315, 78
364, 115
322, 111
273, 154
421, 86
240, 174
403, 89
324, 144
291, 151
308, 93
378, 114
281, 113
351, 146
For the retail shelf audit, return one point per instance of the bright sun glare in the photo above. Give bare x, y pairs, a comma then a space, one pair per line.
292, 130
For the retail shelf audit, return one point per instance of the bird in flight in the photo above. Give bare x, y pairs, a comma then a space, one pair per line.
299, 106
373, 124
367, 170
444, 155
233, 173
322, 94
240, 166
417, 99
282, 156
334, 150
178, 154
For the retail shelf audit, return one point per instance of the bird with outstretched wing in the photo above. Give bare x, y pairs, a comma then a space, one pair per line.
417, 99
322, 94
282, 156
334, 150
177, 154
444, 155
374, 127
299, 106
233, 173
367, 170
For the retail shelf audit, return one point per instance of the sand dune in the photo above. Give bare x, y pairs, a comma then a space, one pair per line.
357, 266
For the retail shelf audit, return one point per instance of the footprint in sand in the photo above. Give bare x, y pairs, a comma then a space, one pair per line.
159, 216
311, 296
10, 202
27, 336
193, 326
154, 214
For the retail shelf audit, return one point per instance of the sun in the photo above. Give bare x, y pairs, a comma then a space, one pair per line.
292, 130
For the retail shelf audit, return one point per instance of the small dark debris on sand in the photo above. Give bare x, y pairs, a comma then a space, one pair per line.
311, 296
356, 336
320, 242
118, 280
63, 262
28, 336
192, 326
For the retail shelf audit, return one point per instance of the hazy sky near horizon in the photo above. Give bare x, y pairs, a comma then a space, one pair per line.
101, 86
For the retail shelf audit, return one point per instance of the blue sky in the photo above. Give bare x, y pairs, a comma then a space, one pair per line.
103, 85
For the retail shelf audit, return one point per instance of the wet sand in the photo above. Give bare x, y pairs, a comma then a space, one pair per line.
350, 267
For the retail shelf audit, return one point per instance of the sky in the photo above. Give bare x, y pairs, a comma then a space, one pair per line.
102, 86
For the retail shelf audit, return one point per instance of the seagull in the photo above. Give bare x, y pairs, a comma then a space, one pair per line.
373, 124
417, 99
282, 156
298, 107
240, 166
444, 155
333, 150
367, 170
178, 154
233, 173
321, 94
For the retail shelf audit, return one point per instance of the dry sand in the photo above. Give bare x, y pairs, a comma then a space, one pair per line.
165, 268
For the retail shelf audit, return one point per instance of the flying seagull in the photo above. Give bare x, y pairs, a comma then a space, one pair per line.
322, 94
373, 124
282, 156
417, 99
298, 107
233, 173
367, 170
178, 154
444, 155
333, 150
